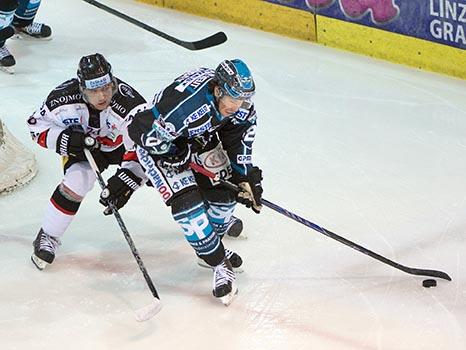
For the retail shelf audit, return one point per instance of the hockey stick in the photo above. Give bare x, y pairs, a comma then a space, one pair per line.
147, 312
278, 209
213, 40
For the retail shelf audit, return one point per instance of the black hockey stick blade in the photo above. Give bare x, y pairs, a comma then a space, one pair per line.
210, 41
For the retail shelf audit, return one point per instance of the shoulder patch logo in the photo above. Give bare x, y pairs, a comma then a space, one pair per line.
126, 90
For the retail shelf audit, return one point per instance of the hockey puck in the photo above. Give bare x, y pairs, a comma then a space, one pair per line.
429, 283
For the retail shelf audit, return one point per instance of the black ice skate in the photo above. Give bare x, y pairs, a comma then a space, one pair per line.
235, 229
34, 31
7, 61
45, 247
235, 260
224, 286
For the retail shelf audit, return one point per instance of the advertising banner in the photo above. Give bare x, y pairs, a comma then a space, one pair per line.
440, 21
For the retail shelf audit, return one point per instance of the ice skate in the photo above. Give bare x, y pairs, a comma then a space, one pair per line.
235, 229
7, 61
235, 260
224, 286
35, 31
45, 247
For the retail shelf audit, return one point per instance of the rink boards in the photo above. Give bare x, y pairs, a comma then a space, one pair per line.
425, 34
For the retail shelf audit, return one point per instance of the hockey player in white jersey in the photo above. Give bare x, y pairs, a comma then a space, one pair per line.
87, 112
205, 116
17, 17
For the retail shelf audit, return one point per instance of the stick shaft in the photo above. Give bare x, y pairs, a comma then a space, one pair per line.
297, 218
213, 40
122, 225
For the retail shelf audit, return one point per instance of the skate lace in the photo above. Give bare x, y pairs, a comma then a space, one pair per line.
34, 28
223, 275
49, 243
4, 52
228, 253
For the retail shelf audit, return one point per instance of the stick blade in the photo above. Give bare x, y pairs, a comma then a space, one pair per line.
147, 312
425, 272
439, 274
213, 40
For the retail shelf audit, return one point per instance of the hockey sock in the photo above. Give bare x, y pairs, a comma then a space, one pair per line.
190, 213
220, 215
60, 211
26, 12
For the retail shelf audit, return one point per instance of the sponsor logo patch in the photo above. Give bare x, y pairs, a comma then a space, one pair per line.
126, 90
197, 114
244, 159
201, 129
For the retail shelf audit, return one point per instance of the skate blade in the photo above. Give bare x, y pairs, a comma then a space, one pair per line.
27, 37
8, 70
227, 299
38, 262
203, 264
242, 236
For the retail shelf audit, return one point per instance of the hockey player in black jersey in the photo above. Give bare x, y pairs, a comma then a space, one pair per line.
17, 16
205, 116
87, 112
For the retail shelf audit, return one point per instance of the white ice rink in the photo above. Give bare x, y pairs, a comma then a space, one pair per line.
370, 150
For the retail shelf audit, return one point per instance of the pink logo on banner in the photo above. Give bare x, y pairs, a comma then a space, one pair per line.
382, 11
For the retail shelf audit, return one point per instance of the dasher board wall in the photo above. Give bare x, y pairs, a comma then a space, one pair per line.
426, 34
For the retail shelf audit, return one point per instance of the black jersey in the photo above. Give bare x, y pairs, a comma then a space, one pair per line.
187, 109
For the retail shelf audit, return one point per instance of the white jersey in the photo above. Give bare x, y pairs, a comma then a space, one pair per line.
65, 106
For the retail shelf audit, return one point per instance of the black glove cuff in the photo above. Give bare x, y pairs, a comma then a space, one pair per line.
63, 142
129, 178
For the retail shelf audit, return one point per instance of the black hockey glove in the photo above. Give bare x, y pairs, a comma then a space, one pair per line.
119, 188
250, 193
73, 140
179, 160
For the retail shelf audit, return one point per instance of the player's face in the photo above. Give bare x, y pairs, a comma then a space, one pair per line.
228, 105
100, 98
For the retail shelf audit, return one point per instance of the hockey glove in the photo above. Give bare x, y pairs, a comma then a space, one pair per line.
119, 188
73, 140
250, 193
179, 160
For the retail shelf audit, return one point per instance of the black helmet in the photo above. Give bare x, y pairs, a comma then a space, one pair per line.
234, 79
94, 72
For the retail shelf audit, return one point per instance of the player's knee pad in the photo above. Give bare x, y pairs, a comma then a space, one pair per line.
65, 200
79, 178
189, 211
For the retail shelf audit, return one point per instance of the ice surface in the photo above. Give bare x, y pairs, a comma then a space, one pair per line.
373, 151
